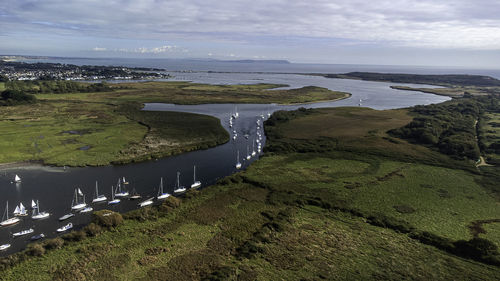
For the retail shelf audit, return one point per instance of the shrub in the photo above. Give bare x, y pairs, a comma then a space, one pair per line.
55, 243
107, 218
75, 236
92, 229
35, 250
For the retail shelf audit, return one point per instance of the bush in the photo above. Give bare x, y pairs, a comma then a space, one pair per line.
35, 250
55, 243
171, 203
477, 249
92, 229
75, 236
107, 218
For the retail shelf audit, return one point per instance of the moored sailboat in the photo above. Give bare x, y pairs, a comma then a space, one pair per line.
98, 198
4, 247
146, 202
17, 179
65, 228
161, 194
22, 232
6, 220
76, 205
238, 164
37, 215
113, 200
20, 211
179, 189
196, 184
119, 192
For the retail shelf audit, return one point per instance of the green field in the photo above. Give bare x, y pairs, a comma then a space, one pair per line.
324, 203
84, 133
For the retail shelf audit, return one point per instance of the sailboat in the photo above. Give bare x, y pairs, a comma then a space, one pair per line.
23, 232
65, 228
238, 164
113, 200
98, 198
37, 237
67, 216
248, 154
5, 219
87, 209
196, 184
146, 202
253, 149
161, 194
20, 211
76, 205
179, 189
33, 204
124, 181
17, 179
4, 247
119, 192
37, 214
236, 114
134, 195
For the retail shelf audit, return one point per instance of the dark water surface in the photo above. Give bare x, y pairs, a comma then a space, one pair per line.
54, 187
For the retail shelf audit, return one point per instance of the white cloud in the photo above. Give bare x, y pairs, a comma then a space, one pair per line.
424, 23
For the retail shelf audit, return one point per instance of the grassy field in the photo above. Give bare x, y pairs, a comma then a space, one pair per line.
2, 86
310, 209
85, 133
190, 93
490, 133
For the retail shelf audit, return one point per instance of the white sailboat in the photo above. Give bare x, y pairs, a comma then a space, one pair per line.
248, 154
23, 232
37, 215
134, 195
17, 179
76, 204
146, 202
119, 192
236, 114
238, 164
196, 184
161, 194
67, 216
87, 209
65, 228
4, 247
33, 204
98, 198
20, 211
179, 189
5, 219
113, 200
253, 149
124, 181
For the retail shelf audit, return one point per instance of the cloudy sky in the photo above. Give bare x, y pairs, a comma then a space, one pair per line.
419, 32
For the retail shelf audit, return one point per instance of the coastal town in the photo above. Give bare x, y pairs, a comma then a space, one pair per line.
13, 68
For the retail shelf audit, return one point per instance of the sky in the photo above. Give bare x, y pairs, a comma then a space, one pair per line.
389, 32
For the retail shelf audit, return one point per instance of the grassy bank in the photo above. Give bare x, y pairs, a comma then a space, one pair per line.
324, 203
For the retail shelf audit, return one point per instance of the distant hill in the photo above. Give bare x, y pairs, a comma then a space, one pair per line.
442, 80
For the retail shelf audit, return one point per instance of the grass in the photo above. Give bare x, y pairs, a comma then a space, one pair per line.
2, 86
80, 133
300, 215
490, 133
190, 93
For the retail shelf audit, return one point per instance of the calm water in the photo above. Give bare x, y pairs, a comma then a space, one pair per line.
229, 66
54, 187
